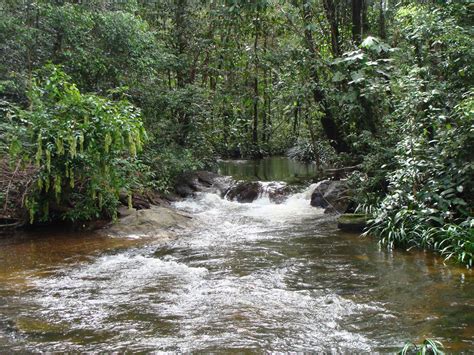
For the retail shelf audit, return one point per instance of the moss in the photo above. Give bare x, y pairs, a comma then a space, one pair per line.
352, 222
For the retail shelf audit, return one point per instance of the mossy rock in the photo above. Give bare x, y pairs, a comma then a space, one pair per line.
352, 222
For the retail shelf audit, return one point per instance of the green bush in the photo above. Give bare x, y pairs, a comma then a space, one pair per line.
426, 173
84, 145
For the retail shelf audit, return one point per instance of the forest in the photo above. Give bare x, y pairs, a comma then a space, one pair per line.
121, 232
99, 97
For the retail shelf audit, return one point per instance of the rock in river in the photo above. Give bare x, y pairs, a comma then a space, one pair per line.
331, 195
352, 222
245, 191
156, 220
202, 181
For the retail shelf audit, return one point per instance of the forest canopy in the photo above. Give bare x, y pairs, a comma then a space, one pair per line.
100, 98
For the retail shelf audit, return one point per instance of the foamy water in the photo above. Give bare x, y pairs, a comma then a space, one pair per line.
250, 277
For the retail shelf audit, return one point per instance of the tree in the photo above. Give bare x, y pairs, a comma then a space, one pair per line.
357, 20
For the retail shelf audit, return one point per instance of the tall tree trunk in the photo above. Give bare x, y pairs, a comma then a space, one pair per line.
357, 7
181, 72
314, 141
181, 43
327, 121
382, 29
255, 82
295, 119
364, 19
265, 92
331, 15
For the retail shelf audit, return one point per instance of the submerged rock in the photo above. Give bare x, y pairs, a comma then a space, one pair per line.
352, 222
333, 196
8, 226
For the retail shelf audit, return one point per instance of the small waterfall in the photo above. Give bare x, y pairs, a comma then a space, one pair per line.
294, 207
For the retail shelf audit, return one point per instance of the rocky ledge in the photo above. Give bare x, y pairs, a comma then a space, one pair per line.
156, 221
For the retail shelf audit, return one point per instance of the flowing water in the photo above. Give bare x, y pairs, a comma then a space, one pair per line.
247, 277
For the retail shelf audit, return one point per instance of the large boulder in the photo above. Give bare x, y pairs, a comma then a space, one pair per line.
333, 196
245, 191
202, 181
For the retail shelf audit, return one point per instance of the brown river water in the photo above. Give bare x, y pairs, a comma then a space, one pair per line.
246, 277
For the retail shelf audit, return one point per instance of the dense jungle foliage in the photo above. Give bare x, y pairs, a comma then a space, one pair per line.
383, 85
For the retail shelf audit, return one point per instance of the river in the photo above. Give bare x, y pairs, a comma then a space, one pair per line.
245, 278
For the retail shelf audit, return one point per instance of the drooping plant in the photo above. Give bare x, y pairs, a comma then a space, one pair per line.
82, 144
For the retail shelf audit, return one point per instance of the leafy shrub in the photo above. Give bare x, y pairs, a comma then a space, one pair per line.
304, 150
164, 164
429, 346
430, 196
84, 146
430, 192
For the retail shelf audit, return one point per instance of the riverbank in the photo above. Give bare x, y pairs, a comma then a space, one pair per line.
27, 253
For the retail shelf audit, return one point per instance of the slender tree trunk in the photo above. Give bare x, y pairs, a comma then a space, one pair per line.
181, 44
331, 15
327, 121
295, 120
265, 92
255, 82
314, 142
357, 7
364, 19
382, 29
269, 110
181, 72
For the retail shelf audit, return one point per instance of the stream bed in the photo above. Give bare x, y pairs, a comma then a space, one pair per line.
246, 277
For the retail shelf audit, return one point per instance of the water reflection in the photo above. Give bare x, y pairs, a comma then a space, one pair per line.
268, 169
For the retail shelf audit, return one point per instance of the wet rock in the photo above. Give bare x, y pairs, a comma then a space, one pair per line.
124, 211
158, 199
317, 197
138, 202
352, 222
157, 220
202, 181
245, 191
279, 194
333, 196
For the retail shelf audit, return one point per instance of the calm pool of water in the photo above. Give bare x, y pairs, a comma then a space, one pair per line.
268, 169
